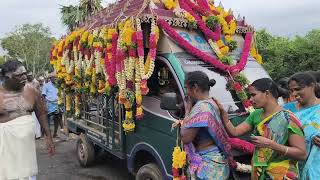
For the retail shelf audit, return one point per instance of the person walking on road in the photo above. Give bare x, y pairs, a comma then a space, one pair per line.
17, 127
50, 93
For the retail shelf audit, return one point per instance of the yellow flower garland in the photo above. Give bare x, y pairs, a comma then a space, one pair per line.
68, 102
170, 4
179, 158
254, 53
77, 105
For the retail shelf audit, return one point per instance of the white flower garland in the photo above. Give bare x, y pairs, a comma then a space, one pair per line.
141, 59
244, 168
121, 76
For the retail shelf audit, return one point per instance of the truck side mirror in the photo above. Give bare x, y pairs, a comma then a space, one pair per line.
169, 101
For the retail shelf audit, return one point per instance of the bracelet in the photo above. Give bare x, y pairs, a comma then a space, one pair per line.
287, 149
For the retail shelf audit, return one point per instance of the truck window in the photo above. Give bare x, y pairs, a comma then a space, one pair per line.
162, 81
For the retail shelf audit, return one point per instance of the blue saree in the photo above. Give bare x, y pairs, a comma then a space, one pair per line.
310, 120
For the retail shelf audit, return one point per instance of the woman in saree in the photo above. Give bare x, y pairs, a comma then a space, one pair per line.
276, 133
206, 141
307, 108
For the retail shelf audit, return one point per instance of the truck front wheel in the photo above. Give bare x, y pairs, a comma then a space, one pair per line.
149, 172
85, 151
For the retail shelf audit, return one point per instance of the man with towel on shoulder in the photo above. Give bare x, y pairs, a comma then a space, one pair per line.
17, 127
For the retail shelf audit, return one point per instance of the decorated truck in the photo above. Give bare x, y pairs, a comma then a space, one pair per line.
119, 65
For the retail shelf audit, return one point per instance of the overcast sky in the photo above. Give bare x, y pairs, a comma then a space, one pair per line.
281, 17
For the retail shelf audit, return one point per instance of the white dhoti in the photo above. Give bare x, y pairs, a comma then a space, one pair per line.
37, 125
17, 149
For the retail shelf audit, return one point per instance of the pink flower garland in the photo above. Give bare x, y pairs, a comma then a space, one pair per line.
153, 46
132, 54
110, 65
242, 145
144, 88
205, 57
152, 54
139, 36
199, 9
204, 4
121, 55
212, 35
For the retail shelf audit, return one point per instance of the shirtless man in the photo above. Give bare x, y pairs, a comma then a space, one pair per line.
31, 81
17, 128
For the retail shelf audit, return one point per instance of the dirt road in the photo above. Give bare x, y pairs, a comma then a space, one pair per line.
64, 165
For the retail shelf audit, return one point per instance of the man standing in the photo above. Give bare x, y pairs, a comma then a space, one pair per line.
17, 128
41, 81
50, 93
32, 82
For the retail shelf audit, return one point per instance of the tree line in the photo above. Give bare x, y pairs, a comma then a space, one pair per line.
285, 56
31, 44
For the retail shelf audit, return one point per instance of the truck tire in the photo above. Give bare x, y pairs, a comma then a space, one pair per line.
85, 151
149, 172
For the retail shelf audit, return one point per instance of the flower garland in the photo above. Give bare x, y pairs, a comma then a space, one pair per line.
102, 75
153, 39
111, 64
77, 75
143, 83
238, 81
139, 109
126, 96
128, 123
200, 10
228, 30
170, 4
202, 26
179, 160
254, 53
205, 57
107, 69
68, 102
181, 13
97, 45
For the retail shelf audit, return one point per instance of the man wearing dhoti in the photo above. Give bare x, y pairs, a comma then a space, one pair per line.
17, 128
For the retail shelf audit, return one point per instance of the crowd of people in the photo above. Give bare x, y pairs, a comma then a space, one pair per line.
286, 137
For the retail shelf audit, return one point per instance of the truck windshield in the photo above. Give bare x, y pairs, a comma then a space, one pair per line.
253, 71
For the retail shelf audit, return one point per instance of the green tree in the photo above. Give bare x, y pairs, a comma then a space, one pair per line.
31, 44
71, 15
284, 57
263, 39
